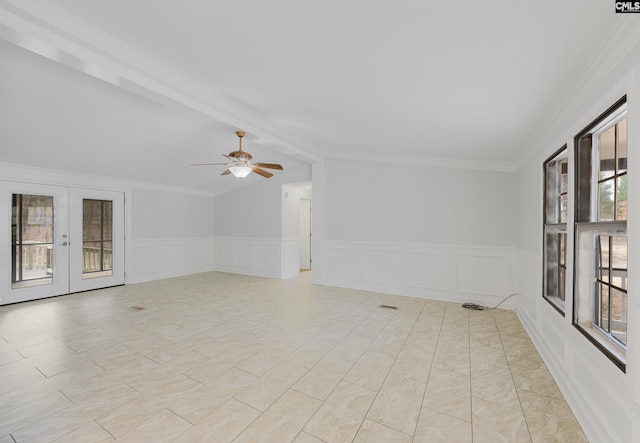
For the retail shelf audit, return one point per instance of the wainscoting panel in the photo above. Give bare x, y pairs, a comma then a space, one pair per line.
273, 258
268, 257
429, 271
164, 258
595, 389
483, 274
451, 273
382, 267
246, 255
224, 253
342, 263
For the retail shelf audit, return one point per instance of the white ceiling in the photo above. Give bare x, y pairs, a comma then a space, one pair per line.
405, 80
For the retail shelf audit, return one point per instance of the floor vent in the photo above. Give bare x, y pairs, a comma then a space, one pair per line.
388, 307
136, 308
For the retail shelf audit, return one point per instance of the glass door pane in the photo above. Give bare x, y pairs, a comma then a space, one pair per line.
32, 237
34, 241
97, 238
97, 229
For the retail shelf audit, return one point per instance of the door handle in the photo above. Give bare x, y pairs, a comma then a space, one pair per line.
64, 243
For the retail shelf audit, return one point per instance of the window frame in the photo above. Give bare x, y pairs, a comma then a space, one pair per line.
553, 224
587, 223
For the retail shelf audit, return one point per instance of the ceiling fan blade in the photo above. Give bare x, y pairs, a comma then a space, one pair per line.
226, 172
208, 164
269, 166
261, 172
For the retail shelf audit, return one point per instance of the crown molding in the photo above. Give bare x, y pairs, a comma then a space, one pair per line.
605, 60
44, 28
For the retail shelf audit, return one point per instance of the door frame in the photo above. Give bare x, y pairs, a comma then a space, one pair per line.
60, 254
67, 205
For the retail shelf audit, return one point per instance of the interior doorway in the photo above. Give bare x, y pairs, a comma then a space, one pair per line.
299, 215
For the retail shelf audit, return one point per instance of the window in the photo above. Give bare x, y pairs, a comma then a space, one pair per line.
556, 184
97, 242
600, 290
31, 240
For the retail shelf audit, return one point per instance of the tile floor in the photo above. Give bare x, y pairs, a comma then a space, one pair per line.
219, 357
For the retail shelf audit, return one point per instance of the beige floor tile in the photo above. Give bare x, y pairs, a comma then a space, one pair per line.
92, 432
337, 331
550, 420
388, 342
435, 427
452, 357
222, 425
31, 341
19, 380
322, 379
39, 389
200, 401
370, 328
265, 390
130, 415
533, 375
163, 427
208, 372
341, 414
283, 421
233, 354
65, 364
488, 359
398, 404
370, 370
173, 368
266, 359
102, 392
310, 353
24, 364
302, 437
57, 425
351, 348
517, 347
495, 387
493, 423
412, 365
372, 432
32, 412
449, 393
10, 357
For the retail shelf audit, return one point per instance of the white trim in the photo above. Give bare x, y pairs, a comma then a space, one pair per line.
153, 259
439, 272
260, 257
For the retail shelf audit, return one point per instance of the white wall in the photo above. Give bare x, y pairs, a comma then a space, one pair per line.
426, 231
605, 400
171, 233
250, 236
367, 201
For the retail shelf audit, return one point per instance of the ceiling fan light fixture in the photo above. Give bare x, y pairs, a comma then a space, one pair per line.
240, 171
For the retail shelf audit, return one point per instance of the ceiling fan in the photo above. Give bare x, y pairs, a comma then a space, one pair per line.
240, 163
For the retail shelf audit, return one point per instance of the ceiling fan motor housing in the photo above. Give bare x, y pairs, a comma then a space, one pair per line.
240, 156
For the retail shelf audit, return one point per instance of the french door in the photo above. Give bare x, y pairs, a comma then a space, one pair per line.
56, 240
